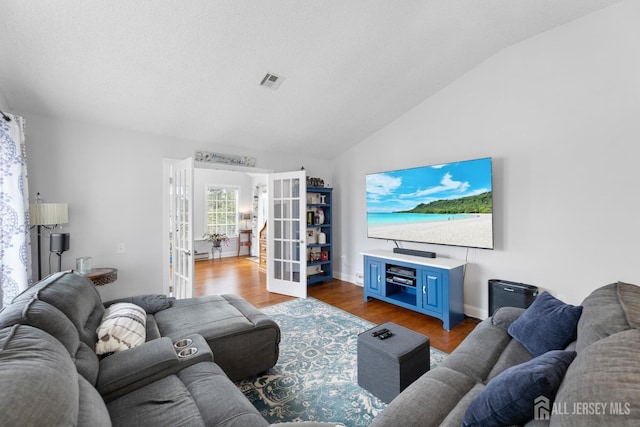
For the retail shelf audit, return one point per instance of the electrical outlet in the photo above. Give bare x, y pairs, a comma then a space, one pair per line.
120, 248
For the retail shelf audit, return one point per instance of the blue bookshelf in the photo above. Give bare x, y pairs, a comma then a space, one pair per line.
319, 234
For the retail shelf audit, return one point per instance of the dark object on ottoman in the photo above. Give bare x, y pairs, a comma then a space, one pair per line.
388, 366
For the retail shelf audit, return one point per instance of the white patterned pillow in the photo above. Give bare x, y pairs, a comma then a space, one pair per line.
123, 326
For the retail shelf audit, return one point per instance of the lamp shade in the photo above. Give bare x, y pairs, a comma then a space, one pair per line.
245, 216
48, 213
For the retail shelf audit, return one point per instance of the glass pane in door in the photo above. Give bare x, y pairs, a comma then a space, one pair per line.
286, 263
286, 259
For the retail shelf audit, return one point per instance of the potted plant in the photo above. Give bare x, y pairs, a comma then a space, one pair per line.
216, 239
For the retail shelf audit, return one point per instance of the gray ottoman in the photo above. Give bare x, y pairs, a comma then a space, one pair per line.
386, 367
244, 340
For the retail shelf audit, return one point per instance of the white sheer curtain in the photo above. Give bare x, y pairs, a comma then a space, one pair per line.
15, 242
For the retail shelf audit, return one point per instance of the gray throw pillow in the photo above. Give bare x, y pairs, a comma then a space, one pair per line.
151, 303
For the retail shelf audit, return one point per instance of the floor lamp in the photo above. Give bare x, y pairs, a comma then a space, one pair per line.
46, 215
58, 243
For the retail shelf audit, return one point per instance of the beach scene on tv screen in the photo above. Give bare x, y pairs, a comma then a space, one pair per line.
448, 204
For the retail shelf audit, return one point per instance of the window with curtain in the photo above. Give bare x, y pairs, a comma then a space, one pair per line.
222, 210
15, 241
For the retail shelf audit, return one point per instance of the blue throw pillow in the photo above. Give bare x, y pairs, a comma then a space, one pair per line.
509, 398
548, 324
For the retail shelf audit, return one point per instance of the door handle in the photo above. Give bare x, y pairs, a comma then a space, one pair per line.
186, 252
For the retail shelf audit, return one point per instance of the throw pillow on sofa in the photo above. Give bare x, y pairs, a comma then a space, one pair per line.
509, 398
151, 303
123, 326
548, 324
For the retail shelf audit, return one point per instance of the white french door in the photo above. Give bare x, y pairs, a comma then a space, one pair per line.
286, 233
181, 231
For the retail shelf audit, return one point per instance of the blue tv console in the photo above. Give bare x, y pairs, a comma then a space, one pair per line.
432, 286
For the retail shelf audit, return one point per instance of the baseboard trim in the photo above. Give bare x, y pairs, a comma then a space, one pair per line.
475, 312
351, 278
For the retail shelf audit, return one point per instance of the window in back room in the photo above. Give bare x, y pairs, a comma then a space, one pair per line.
222, 210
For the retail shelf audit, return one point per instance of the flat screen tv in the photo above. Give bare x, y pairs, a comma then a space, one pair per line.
445, 204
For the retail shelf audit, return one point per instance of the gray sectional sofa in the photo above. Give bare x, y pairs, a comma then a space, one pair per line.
597, 384
50, 374
246, 341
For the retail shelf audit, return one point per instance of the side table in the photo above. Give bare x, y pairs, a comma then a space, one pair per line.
215, 249
102, 276
247, 242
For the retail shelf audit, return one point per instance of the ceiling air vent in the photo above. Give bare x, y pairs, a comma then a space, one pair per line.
271, 81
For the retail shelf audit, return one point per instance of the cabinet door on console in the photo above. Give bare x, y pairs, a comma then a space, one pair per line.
373, 276
432, 290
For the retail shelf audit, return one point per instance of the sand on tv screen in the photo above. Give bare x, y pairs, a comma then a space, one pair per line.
447, 204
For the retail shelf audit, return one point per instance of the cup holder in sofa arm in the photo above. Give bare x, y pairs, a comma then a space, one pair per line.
138, 366
187, 352
186, 342
192, 349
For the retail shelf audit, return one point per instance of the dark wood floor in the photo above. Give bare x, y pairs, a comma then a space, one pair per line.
241, 276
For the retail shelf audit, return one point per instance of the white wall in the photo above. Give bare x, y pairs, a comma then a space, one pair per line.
112, 181
4, 106
559, 114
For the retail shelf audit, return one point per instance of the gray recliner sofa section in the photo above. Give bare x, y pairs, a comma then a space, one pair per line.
601, 386
42, 386
50, 374
245, 341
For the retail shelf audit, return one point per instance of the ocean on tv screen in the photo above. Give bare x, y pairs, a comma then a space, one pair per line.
449, 204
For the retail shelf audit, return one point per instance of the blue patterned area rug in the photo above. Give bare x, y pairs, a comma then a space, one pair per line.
315, 378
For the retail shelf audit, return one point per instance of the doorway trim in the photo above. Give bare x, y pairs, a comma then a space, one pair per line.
166, 166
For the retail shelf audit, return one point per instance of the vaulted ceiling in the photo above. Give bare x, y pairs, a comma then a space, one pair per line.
192, 69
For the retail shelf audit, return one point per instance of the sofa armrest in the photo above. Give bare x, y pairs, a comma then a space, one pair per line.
136, 367
128, 370
505, 316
